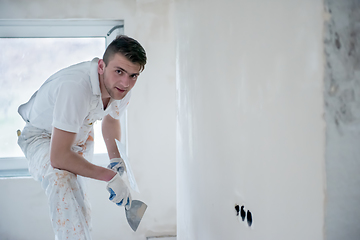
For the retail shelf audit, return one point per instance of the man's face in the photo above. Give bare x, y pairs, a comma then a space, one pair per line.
119, 76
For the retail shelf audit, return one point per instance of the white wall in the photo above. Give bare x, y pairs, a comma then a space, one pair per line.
342, 88
151, 126
250, 127
250, 119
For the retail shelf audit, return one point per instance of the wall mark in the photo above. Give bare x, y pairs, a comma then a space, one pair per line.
249, 218
243, 214
237, 210
337, 41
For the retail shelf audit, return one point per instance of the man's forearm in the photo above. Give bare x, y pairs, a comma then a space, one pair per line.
73, 162
111, 130
62, 157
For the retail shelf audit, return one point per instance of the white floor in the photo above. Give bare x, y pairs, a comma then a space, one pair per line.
162, 238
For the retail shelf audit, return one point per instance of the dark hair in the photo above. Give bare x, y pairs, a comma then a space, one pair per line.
129, 48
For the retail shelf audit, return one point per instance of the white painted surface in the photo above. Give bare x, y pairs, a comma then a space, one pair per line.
151, 127
250, 119
250, 108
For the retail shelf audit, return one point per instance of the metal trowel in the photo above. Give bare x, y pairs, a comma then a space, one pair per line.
137, 209
135, 213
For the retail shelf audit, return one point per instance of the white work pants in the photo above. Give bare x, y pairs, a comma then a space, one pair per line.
69, 206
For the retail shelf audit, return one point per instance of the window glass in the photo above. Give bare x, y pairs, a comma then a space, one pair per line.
25, 63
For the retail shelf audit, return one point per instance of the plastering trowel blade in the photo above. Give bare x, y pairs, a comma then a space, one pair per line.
135, 213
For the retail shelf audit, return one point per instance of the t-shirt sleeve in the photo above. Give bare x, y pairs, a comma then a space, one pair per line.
72, 104
119, 106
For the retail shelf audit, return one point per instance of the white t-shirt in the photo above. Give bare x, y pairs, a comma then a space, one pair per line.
70, 100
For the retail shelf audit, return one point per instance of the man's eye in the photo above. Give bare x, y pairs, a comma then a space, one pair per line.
118, 71
134, 77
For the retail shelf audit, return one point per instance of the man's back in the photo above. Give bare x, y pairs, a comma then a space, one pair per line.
69, 83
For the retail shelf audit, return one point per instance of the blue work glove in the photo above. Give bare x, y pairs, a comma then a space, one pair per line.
117, 164
119, 191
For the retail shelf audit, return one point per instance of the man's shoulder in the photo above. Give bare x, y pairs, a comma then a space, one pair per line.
74, 76
77, 70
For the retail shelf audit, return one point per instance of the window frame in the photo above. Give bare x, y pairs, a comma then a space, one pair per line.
69, 28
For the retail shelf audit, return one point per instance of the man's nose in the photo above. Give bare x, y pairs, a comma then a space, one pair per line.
125, 81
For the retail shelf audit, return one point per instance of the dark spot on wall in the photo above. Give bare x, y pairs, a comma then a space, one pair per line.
352, 43
242, 213
337, 41
328, 64
249, 218
237, 208
343, 110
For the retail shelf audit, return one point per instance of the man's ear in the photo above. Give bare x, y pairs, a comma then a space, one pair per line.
101, 66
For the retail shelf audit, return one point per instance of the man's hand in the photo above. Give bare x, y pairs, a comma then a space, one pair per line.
117, 164
119, 191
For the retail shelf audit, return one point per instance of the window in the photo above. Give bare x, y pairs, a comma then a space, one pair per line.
31, 51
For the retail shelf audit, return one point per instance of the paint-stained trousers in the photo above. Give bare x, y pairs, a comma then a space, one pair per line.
69, 206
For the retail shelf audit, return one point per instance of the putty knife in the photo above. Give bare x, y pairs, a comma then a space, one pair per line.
135, 213
137, 210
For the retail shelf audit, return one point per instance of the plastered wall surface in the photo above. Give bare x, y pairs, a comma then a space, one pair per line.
151, 126
250, 127
342, 89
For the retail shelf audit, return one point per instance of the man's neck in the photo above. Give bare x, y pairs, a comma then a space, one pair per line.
104, 94
106, 102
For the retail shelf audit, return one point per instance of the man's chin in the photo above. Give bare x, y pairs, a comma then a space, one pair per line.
118, 97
